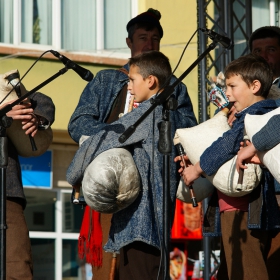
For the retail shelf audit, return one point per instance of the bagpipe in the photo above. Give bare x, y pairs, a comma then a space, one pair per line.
111, 182
108, 189
11, 89
196, 139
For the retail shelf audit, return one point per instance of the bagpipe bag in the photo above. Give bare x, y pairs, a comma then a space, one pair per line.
196, 140
111, 181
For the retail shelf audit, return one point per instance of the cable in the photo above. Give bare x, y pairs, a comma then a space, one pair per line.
179, 61
184, 51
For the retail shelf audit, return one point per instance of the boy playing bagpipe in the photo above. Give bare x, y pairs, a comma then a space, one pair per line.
248, 222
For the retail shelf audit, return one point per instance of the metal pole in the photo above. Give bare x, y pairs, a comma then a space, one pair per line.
203, 116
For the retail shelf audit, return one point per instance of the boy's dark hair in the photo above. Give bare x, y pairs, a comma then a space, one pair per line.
252, 67
153, 63
265, 32
148, 21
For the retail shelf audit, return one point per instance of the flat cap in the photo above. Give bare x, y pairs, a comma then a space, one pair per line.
152, 16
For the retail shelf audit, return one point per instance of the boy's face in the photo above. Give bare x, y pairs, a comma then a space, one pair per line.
137, 86
238, 92
144, 41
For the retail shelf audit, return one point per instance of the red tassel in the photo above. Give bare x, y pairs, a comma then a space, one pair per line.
90, 239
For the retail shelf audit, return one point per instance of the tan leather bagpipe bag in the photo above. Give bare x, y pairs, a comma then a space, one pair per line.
196, 140
16, 134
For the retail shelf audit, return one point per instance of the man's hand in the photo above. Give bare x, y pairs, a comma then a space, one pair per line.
30, 125
24, 113
246, 155
191, 173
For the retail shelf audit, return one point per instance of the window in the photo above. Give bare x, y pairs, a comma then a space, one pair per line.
263, 13
54, 225
71, 25
36, 22
6, 22
260, 14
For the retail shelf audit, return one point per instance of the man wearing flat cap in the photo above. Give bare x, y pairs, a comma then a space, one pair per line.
135, 232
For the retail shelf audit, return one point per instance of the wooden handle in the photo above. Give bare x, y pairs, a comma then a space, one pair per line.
113, 267
181, 153
241, 171
77, 194
131, 103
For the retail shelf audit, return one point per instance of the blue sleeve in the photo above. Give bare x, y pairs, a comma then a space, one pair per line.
269, 135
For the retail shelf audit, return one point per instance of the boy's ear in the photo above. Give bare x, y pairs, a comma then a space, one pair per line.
256, 85
153, 82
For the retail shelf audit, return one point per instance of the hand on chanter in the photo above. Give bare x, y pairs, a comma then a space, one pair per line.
191, 173
30, 125
187, 161
246, 155
24, 113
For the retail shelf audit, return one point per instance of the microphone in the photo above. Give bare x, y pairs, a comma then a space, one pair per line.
223, 40
82, 72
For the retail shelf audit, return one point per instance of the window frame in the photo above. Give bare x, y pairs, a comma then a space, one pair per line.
56, 30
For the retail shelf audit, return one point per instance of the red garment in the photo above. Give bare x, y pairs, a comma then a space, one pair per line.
90, 239
231, 203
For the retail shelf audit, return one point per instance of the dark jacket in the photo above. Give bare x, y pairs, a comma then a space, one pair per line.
44, 107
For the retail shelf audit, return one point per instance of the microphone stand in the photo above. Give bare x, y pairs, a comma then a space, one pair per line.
161, 99
5, 122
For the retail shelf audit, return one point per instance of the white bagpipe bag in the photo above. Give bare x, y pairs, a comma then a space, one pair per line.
197, 139
111, 182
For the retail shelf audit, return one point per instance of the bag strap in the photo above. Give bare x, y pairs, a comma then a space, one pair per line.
123, 70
